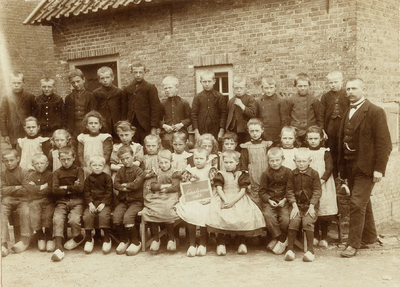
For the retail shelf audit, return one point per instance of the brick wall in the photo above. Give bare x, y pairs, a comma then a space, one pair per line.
30, 48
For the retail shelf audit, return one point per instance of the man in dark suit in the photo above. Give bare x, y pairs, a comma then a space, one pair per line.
141, 104
364, 149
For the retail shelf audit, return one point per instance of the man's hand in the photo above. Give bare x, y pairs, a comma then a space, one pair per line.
239, 103
311, 211
92, 208
323, 181
154, 131
100, 207
377, 176
294, 212
7, 140
196, 134
167, 128
325, 135
221, 134
272, 203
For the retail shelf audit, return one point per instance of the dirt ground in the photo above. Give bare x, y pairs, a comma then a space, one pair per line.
377, 266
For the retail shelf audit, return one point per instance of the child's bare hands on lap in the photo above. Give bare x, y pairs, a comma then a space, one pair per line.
272, 203
294, 212
100, 207
311, 211
282, 202
92, 208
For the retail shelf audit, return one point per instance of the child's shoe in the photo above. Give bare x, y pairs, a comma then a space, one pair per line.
121, 248
58, 255
242, 249
290, 256
308, 257
155, 245
280, 247
4, 251
19, 247
221, 250
201, 250
272, 244
133, 249
106, 247
315, 242
50, 246
42, 245
191, 252
74, 242
171, 246
323, 243
89, 246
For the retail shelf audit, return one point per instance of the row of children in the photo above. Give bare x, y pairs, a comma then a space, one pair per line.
157, 181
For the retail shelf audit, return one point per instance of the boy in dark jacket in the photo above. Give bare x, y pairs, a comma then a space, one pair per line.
129, 186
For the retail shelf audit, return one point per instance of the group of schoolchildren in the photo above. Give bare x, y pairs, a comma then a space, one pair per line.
266, 160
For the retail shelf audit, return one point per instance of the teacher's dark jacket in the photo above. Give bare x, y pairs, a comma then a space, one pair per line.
371, 138
141, 100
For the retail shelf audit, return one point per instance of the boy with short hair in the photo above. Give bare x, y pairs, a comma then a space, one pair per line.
41, 202
273, 198
141, 106
303, 108
209, 110
14, 109
107, 100
271, 109
175, 110
303, 191
98, 190
333, 106
241, 108
68, 190
128, 185
77, 104
48, 108
14, 197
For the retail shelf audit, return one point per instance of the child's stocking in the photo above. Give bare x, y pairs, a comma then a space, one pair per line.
291, 238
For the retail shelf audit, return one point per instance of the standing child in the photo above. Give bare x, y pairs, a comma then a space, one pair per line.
254, 157
194, 213
41, 206
152, 145
275, 208
68, 190
98, 191
180, 157
303, 108
175, 112
125, 132
210, 144
30, 145
289, 146
128, 186
271, 110
159, 203
303, 192
48, 108
14, 198
209, 108
60, 138
94, 143
333, 106
229, 142
107, 100
321, 161
231, 210
241, 108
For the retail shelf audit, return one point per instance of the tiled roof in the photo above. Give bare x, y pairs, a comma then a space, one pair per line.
48, 10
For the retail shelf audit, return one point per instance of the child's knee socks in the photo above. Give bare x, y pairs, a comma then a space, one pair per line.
291, 238
203, 236
310, 238
192, 234
170, 231
154, 231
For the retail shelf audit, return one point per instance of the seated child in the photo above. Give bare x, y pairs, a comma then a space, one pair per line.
273, 198
180, 157
125, 132
321, 161
303, 192
94, 143
210, 144
128, 185
98, 191
41, 206
30, 145
231, 210
229, 142
160, 201
196, 212
14, 197
254, 157
68, 190
60, 138
289, 146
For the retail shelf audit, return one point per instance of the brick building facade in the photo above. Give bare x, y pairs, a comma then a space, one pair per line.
278, 38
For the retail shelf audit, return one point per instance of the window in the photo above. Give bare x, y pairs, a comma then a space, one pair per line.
90, 66
223, 79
